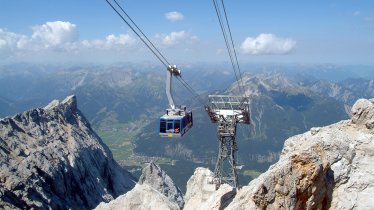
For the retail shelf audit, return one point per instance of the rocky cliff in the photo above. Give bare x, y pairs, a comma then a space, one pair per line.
155, 190
202, 194
50, 158
326, 168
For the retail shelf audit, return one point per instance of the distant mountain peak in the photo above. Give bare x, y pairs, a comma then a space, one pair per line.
69, 102
255, 85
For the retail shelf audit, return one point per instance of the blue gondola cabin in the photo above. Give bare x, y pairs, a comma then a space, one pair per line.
175, 123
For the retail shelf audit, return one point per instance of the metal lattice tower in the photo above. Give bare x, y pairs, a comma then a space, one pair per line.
227, 112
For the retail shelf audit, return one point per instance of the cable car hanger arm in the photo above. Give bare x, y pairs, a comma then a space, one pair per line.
171, 71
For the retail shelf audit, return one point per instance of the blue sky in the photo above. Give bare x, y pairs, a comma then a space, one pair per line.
88, 31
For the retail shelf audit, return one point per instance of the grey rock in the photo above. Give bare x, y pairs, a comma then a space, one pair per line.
142, 197
363, 113
153, 176
202, 194
315, 130
327, 168
155, 190
50, 158
332, 168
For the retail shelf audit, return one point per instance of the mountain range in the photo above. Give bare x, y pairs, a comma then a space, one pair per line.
124, 102
52, 159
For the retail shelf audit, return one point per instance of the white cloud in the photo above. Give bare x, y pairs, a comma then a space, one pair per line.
174, 16
58, 41
219, 51
173, 38
49, 35
356, 13
122, 39
2, 43
55, 33
9, 39
368, 18
194, 39
267, 44
57, 36
110, 42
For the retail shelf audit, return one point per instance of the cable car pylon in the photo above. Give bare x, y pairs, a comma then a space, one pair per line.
227, 112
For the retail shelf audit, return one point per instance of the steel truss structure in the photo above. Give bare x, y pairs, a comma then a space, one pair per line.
227, 112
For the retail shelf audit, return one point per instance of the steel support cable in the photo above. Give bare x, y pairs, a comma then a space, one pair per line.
223, 29
229, 49
192, 91
233, 46
141, 31
180, 84
159, 55
218, 12
141, 38
240, 82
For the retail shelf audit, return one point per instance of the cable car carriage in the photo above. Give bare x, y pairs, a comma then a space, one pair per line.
177, 120
175, 123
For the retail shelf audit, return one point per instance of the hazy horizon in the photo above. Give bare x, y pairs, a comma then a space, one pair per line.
334, 32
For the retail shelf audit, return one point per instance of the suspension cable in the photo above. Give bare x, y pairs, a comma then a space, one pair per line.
218, 12
189, 88
232, 43
151, 46
140, 37
230, 46
141, 31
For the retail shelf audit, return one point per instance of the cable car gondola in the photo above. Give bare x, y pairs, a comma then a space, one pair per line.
175, 124
177, 120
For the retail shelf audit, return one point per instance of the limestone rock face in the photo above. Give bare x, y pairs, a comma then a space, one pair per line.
155, 190
156, 178
330, 167
363, 113
201, 193
50, 158
142, 197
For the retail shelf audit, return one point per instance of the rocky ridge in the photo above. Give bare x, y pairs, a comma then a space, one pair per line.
201, 194
155, 190
325, 168
51, 158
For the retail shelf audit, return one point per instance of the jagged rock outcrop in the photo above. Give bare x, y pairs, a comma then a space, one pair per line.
50, 158
202, 194
363, 113
326, 168
156, 178
142, 197
155, 190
